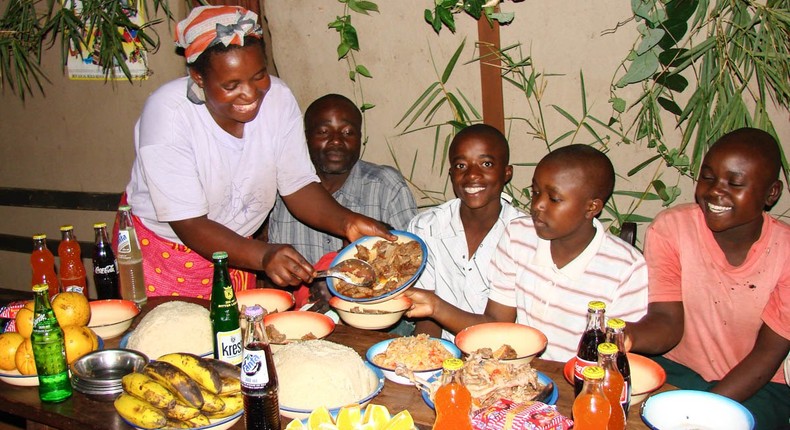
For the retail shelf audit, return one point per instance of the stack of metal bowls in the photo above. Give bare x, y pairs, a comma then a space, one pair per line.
98, 374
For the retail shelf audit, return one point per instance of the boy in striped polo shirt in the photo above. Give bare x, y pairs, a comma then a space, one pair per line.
547, 267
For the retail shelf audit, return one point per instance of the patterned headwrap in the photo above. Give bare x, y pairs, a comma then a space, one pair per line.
207, 26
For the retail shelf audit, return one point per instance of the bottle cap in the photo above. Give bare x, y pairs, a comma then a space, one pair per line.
593, 372
40, 287
607, 348
452, 364
124, 208
596, 306
615, 323
100, 225
253, 311
39, 236
219, 255
66, 227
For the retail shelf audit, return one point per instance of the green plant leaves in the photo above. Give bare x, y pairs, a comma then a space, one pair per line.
641, 68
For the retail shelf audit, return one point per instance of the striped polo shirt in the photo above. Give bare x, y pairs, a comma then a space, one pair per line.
554, 300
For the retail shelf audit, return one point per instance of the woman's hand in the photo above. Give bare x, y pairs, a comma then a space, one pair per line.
285, 266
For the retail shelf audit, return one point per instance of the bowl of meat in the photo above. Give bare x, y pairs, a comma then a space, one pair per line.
411, 359
397, 265
284, 327
511, 342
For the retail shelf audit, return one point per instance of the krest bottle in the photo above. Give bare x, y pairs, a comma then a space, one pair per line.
452, 400
105, 267
615, 333
42, 261
259, 383
224, 313
613, 384
591, 408
72, 271
49, 350
130, 259
587, 353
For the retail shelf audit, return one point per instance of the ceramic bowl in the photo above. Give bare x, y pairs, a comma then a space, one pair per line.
690, 409
110, 318
376, 376
528, 342
389, 373
542, 378
297, 324
216, 424
646, 376
369, 241
271, 299
387, 313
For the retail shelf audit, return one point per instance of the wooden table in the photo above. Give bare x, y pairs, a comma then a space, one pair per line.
83, 413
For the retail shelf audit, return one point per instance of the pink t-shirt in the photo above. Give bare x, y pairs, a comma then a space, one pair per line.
724, 306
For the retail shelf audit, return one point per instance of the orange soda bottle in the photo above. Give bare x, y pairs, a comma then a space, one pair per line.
591, 409
72, 271
613, 384
43, 264
452, 400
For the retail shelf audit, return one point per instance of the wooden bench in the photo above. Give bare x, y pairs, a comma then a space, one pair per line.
51, 199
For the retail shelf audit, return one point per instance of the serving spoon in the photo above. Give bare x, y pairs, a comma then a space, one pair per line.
354, 271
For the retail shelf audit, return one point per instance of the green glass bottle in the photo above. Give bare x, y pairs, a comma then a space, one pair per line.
224, 313
49, 350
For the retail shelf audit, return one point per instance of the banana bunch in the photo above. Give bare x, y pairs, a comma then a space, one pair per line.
180, 390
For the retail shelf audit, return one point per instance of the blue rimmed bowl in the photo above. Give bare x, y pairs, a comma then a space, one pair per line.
368, 242
424, 374
692, 409
298, 414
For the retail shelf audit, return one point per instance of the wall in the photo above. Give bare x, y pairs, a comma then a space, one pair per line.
79, 136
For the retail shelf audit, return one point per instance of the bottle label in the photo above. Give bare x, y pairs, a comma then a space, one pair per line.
106, 270
74, 289
124, 242
579, 367
254, 374
229, 346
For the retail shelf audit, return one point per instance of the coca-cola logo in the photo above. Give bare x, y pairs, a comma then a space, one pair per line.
106, 270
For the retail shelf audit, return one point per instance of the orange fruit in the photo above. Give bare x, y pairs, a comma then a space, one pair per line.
24, 320
9, 343
71, 308
25, 363
79, 341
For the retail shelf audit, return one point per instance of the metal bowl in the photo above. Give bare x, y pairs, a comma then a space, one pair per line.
106, 367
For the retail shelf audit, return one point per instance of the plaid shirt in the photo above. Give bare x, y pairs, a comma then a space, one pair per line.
379, 192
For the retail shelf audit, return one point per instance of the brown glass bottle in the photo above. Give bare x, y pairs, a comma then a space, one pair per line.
259, 383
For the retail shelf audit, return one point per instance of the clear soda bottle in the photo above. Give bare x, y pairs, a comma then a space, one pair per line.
452, 400
42, 262
591, 409
587, 352
613, 384
130, 259
105, 267
259, 384
615, 333
49, 350
72, 271
224, 313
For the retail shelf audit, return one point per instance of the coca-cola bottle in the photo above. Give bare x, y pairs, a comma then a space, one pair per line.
615, 333
259, 383
105, 267
587, 353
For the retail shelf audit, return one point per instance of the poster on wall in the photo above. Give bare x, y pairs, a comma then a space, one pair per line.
83, 62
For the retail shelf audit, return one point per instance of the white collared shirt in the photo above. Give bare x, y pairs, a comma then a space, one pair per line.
554, 300
454, 276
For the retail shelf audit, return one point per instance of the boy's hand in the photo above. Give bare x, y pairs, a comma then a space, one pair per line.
423, 303
285, 266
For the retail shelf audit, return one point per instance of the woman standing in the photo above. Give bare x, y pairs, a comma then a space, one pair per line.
213, 150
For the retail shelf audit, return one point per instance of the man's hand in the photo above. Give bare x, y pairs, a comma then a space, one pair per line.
285, 266
358, 225
423, 303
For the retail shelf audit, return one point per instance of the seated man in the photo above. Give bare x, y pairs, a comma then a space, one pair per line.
720, 284
333, 126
